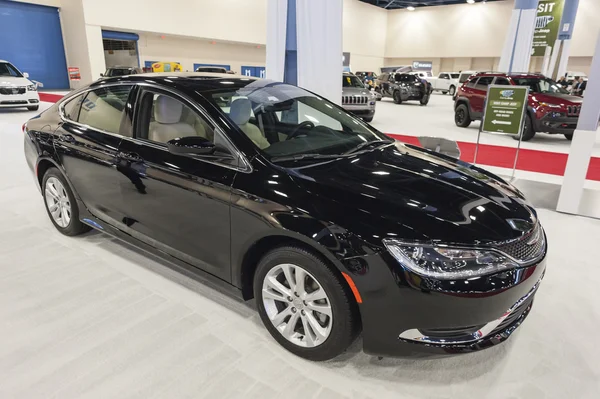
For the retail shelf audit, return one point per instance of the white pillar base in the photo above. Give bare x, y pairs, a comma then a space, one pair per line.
576, 171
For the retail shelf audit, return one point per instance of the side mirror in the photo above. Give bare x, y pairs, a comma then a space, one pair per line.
25, 75
193, 145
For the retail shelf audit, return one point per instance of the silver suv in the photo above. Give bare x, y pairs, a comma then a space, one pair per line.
356, 98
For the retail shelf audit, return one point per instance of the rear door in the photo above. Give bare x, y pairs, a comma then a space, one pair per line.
178, 204
479, 92
87, 141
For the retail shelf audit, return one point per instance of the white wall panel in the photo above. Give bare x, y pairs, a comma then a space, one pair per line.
364, 35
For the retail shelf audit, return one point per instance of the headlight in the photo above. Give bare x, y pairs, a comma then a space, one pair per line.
448, 263
550, 105
32, 88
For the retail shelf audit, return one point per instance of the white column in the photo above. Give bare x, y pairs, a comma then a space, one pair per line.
583, 142
319, 40
516, 53
276, 36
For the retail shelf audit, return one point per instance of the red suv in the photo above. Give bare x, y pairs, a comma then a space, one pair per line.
550, 108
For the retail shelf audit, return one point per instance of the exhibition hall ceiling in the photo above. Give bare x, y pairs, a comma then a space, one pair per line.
399, 4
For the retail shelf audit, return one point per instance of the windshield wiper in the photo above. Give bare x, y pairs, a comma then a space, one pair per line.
299, 157
367, 144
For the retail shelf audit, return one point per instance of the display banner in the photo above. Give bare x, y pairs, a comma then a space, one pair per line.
422, 65
504, 109
547, 25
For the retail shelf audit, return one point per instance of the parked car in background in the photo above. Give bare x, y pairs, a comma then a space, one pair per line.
550, 108
368, 78
120, 71
421, 74
446, 82
211, 69
404, 87
16, 90
357, 98
277, 194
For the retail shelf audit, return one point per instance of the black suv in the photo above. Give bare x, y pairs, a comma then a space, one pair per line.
403, 87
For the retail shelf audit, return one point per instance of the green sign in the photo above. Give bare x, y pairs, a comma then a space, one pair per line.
547, 25
504, 109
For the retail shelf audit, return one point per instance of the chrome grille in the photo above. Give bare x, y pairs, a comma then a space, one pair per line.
530, 247
12, 90
351, 100
573, 110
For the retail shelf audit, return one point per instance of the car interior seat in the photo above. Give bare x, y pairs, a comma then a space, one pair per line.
167, 124
240, 112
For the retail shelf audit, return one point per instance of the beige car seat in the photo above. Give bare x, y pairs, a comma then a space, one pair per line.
167, 124
240, 112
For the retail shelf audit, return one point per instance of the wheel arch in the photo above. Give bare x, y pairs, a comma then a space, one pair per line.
42, 167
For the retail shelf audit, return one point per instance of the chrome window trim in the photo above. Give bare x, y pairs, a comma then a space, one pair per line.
415, 334
247, 166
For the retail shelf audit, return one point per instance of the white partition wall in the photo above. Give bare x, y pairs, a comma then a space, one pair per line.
276, 37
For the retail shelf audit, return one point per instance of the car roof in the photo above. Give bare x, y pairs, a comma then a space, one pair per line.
200, 81
512, 75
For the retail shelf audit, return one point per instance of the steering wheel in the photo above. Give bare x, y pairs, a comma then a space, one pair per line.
295, 132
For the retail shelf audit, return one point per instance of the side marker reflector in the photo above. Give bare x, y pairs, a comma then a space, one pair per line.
353, 287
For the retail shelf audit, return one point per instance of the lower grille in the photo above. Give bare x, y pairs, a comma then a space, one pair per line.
13, 102
514, 316
529, 247
445, 333
7, 91
350, 100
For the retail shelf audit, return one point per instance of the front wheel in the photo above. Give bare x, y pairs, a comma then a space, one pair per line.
397, 97
528, 131
61, 204
304, 304
424, 100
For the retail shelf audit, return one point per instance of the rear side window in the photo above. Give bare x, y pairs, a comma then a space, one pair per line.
484, 82
104, 109
501, 81
72, 107
472, 82
444, 76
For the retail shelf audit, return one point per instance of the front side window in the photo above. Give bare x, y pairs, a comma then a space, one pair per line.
540, 85
352, 81
104, 108
7, 69
287, 121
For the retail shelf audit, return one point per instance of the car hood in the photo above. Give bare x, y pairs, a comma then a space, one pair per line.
355, 91
558, 99
14, 81
408, 193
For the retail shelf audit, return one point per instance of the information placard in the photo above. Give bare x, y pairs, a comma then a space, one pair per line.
504, 109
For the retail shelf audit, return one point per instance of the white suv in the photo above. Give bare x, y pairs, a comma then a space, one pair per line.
16, 90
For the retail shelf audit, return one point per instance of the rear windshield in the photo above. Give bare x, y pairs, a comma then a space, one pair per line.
118, 72
464, 77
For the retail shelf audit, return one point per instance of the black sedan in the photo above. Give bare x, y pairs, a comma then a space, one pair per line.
284, 197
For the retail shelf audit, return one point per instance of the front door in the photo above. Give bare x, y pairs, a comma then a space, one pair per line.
87, 143
178, 204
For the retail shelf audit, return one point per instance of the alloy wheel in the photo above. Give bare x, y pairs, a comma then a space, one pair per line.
57, 201
460, 116
297, 305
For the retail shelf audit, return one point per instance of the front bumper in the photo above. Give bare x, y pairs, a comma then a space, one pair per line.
560, 125
360, 110
404, 314
27, 99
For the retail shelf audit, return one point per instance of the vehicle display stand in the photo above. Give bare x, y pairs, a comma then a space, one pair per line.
504, 113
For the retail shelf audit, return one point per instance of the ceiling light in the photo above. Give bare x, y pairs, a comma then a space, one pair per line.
470, 1
410, 8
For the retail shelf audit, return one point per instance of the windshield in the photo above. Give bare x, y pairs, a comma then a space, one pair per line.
455, 75
352, 81
7, 69
540, 85
117, 72
287, 121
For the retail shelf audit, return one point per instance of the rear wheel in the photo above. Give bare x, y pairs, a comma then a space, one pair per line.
528, 131
462, 118
304, 304
397, 97
424, 100
452, 90
61, 204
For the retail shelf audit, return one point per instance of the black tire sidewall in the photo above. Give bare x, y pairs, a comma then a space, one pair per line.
397, 97
344, 329
466, 121
528, 132
75, 226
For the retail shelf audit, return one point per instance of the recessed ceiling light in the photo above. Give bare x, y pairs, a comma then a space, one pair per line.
410, 8
470, 1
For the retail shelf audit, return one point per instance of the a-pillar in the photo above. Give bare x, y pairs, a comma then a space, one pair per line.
304, 45
583, 142
516, 54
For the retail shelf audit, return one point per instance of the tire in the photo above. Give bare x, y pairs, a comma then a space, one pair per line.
462, 118
339, 330
452, 91
368, 119
397, 97
56, 190
33, 108
424, 100
569, 136
528, 131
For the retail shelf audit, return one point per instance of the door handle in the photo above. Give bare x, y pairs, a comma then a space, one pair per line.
130, 156
67, 138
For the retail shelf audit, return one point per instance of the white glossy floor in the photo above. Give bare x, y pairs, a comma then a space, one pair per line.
89, 317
